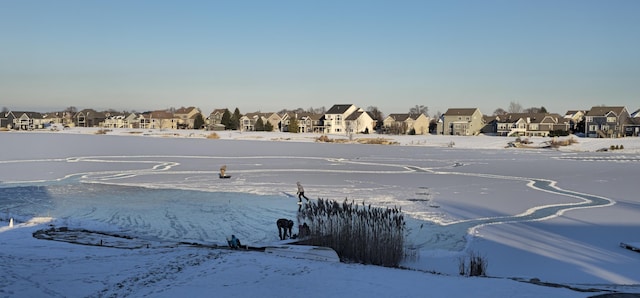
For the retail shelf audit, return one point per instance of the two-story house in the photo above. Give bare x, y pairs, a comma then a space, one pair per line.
55, 118
632, 128
157, 120
462, 122
575, 117
531, 124
334, 118
88, 118
310, 122
249, 120
23, 120
214, 121
186, 117
121, 120
360, 122
606, 122
404, 123
490, 124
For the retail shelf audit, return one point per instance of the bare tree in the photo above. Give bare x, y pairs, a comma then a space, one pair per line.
320, 110
71, 110
419, 109
514, 107
377, 116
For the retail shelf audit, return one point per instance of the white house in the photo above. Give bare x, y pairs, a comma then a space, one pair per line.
335, 118
360, 122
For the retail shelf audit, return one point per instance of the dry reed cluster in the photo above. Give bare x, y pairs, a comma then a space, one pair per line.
561, 143
358, 233
377, 141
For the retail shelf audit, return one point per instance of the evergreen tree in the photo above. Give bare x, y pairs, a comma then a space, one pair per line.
235, 119
259, 126
293, 125
226, 119
268, 126
198, 122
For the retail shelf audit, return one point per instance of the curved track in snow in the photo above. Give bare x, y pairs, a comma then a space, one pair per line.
143, 170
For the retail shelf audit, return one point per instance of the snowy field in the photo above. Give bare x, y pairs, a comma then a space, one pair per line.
556, 216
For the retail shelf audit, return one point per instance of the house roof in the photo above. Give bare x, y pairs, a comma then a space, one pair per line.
633, 121
32, 115
218, 111
405, 116
159, 114
258, 114
488, 119
311, 116
532, 117
54, 115
400, 117
354, 116
91, 113
339, 109
184, 110
603, 111
573, 112
461, 112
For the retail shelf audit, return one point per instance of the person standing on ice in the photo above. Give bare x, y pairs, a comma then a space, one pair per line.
301, 193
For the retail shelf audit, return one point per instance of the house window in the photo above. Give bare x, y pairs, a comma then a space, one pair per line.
589, 119
338, 120
533, 126
593, 127
611, 119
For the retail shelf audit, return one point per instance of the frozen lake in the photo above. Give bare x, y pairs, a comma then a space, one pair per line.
526, 210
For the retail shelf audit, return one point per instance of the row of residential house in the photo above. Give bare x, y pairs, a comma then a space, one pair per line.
599, 121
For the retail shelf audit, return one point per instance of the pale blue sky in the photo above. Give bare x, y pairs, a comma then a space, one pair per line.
270, 55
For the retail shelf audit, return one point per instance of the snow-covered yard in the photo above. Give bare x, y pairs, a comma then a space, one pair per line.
549, 215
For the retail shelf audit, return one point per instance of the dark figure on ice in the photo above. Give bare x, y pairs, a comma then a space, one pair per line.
234, 242
301, 193
304, 230
284, 225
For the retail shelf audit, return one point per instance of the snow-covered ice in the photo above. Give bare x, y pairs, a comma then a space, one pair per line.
557, 216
